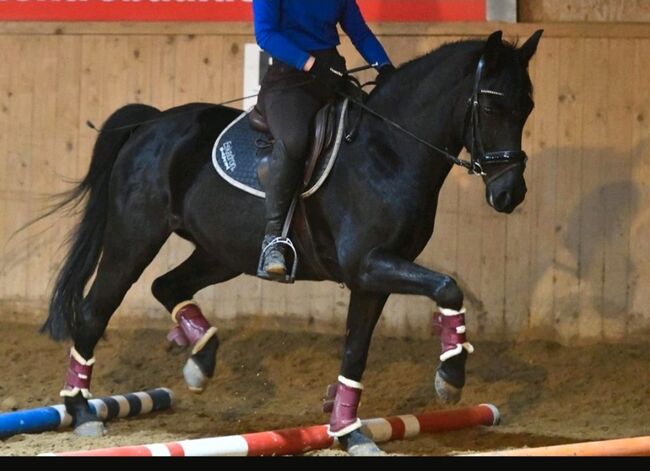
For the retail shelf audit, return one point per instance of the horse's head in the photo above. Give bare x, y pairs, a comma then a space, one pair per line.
500, 104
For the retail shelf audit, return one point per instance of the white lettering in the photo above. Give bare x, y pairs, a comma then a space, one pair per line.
228, 156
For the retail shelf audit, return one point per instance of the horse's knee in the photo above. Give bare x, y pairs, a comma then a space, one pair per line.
449, 295
168, 294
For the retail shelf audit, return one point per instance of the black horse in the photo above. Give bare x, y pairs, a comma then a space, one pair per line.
151, 176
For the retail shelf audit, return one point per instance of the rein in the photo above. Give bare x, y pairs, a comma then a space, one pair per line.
479, 158
215, 105
452, 158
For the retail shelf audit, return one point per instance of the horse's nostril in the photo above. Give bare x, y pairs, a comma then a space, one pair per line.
503, 200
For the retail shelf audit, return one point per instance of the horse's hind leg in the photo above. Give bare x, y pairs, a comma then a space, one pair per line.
175, 290
127, 252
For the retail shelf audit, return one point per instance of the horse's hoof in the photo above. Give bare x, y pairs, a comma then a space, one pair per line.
94, 429
194, 377
447, 394
357, 444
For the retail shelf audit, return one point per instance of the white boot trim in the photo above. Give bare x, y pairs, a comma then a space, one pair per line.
456, 351
73, 392
212, 331
344, 431
77, 356
450, 312
350, 383
180, 306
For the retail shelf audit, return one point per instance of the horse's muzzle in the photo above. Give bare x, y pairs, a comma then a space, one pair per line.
507, 191
507, 201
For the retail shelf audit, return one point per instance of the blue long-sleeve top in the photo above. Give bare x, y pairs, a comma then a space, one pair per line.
288, 29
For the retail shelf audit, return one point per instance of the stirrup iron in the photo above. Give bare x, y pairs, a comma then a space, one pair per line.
290, 277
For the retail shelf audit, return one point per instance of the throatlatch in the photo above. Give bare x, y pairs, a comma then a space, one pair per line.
342, 402
450, 325
77, 379
192, 328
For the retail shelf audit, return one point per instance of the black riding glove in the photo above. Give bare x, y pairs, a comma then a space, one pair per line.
331, 75
384, 73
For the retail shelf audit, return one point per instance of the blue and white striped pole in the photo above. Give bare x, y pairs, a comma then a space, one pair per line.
42, 419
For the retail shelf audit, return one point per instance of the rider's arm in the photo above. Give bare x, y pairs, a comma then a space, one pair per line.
269, 36
363, 39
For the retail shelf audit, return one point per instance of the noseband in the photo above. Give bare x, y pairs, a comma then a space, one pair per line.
479, 158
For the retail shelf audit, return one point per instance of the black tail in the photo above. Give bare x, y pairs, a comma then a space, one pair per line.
86, 239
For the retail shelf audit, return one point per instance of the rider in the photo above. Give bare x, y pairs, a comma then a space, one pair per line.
302, 36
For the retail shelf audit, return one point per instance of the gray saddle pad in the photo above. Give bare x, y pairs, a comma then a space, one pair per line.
239, 148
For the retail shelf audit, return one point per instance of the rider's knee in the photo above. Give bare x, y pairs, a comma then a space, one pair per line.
296, 145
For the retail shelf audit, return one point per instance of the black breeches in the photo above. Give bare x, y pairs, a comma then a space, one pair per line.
289, 99
289, 115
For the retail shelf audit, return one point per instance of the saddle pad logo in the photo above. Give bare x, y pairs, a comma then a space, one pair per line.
228, 156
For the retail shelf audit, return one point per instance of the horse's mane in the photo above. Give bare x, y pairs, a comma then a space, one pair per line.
441, 54
446, 62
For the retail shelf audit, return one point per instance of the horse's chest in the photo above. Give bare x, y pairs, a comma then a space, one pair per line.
414, 229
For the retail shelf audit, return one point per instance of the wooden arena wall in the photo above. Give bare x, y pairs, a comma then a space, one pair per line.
609, 11
571, 264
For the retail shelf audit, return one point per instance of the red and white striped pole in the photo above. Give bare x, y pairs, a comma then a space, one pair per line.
300, 440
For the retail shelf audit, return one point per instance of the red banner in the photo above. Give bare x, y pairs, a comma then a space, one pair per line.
224, 10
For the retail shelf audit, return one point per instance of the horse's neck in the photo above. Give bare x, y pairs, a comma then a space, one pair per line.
427, 112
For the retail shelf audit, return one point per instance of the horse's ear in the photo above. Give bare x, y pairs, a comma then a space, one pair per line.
493, 49
527, 51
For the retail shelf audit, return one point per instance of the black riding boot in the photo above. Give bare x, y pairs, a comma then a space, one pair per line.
283, 176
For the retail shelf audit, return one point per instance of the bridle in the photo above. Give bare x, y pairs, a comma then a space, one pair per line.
479, 158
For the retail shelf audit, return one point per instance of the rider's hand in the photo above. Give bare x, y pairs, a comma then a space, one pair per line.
385, 72
333, 76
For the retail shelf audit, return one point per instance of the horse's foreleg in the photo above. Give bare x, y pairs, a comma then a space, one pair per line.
388, 273
363, 312
175, 290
